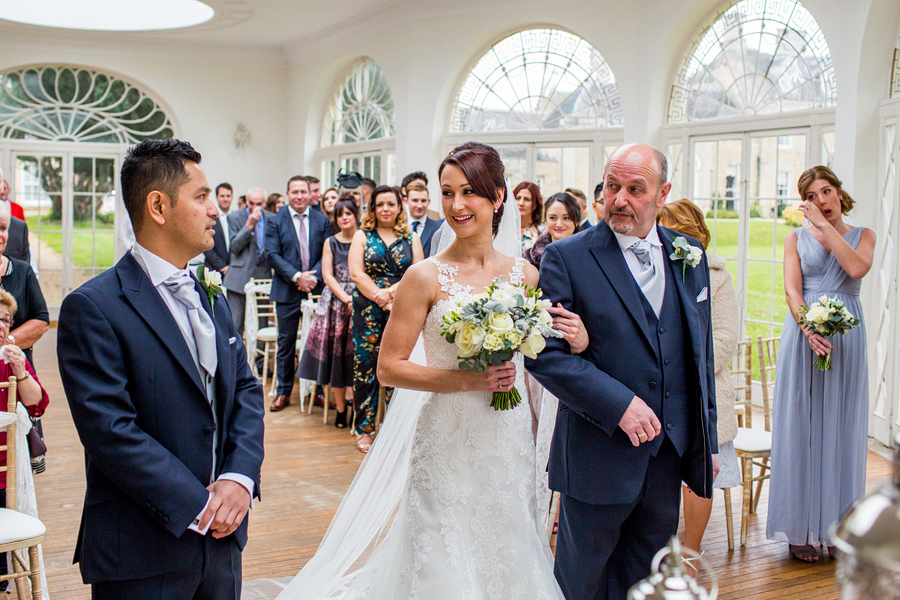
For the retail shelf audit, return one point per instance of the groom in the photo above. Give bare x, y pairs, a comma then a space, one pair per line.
169, 414
637, 407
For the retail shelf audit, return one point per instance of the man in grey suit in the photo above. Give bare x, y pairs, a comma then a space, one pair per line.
246, 230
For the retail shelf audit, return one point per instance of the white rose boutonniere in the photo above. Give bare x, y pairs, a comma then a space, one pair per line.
688, 255
211, 282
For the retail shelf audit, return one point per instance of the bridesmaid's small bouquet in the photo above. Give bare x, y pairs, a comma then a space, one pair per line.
827, 316
490, 327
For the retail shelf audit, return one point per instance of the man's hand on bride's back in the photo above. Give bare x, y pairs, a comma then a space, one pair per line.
501, 378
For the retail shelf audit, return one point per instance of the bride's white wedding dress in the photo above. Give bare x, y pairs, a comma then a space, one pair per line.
467, 526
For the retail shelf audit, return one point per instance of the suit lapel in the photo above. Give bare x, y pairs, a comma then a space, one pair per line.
606, 251
140, 293
685, 294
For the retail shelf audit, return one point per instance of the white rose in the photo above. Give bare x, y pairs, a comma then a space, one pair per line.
469, 340
492, 342
533, 345
212, 278
817, 314
514, 337
500, 323
823, 299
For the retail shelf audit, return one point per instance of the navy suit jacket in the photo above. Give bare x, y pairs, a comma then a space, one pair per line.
427, 232
283, 252
146, 424
217, 258
591, 458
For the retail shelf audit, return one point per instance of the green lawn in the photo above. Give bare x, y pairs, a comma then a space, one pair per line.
90, 248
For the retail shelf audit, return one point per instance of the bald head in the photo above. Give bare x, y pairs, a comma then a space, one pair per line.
256, 196
642, 154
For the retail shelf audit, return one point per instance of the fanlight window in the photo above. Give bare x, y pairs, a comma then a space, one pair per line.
73, 104
895, 73
538, 79
758, 57
362, 109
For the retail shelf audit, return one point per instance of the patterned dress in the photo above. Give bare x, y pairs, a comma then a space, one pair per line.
328, 356
385, 265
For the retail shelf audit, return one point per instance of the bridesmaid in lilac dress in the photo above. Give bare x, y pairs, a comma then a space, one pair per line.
820, 418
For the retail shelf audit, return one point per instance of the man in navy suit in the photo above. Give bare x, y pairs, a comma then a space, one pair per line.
217, 258
168, 412
417, 201
294, 241
637, 407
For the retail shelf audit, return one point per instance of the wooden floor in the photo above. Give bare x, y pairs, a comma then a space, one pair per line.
308, 467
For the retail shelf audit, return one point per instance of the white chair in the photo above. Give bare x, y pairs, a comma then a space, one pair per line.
18, 531
307, 387
259, 305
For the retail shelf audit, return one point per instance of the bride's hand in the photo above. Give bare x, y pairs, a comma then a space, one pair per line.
501, 378
571, 326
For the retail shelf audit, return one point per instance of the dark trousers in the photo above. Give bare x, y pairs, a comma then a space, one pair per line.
288, 315
3, 569
214, 574
603, 550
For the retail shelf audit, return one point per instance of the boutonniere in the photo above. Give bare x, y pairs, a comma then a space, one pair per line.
688, 255
211, 282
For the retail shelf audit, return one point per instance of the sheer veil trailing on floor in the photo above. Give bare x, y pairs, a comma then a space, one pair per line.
345, 562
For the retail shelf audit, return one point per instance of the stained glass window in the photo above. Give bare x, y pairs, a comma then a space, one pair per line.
757, 57
538, 79
362, 108
74, 104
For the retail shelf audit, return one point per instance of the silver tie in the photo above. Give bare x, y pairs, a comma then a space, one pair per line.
650, 278
182, 287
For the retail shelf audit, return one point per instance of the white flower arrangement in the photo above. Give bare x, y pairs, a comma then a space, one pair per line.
827, 316
211, 282
490, 327
690, 256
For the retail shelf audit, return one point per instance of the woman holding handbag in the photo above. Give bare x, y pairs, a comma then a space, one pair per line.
29, 390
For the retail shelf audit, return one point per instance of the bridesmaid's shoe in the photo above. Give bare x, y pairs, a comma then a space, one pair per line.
807, 553
364, 443
832, 552
340, 419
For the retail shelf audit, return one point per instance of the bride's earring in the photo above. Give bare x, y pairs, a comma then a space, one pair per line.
496, 209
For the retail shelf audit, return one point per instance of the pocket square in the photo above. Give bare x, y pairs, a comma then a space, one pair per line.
231, 340
703, 295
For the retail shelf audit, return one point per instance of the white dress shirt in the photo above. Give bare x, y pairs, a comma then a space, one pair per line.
631, 259
159, 270
296, 223
223, 224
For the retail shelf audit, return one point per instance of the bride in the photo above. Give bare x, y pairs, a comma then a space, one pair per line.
444, 506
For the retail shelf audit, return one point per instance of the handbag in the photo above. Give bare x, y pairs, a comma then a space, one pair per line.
37, 448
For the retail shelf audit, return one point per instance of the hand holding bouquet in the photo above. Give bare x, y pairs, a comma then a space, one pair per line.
490, 327
827, 316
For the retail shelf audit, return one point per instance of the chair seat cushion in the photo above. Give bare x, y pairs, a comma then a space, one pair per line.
753, 440
16, 526
267, 334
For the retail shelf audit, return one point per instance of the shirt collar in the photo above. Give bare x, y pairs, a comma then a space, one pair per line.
157, 269
626, 241
294, 213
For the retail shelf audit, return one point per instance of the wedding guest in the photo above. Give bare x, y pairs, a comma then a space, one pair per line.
367, 188
379, 256
418, 176
29, 390
528, 199
274, 202
583, 223
328, 356
242, 201
417, 202
329, 199
351, 182
598, 201
315, 192
562, 216
15, 208
32, 319
218, 258
820, 422
685, 217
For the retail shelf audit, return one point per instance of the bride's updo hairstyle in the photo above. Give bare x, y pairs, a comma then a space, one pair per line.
484, 171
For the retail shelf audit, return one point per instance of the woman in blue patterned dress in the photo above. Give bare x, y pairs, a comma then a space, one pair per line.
820, 418
380, 254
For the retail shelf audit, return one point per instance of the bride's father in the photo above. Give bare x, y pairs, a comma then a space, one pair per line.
637, 407
170, 416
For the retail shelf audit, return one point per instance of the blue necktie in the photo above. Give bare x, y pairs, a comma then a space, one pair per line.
416, 226
260, 233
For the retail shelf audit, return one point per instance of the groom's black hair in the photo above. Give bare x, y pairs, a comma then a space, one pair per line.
484, 171
154, 165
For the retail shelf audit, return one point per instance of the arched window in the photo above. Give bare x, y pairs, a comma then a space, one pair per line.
548, 101
76, 104
362, 108
758, 57
538, 79
751, 108
358, 133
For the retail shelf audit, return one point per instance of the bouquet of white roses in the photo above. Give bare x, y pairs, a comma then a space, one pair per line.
488, 328
827, 317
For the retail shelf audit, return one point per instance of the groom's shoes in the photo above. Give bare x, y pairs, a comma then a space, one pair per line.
280, 403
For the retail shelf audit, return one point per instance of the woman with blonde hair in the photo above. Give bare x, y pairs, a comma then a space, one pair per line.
379, 255
683, 216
